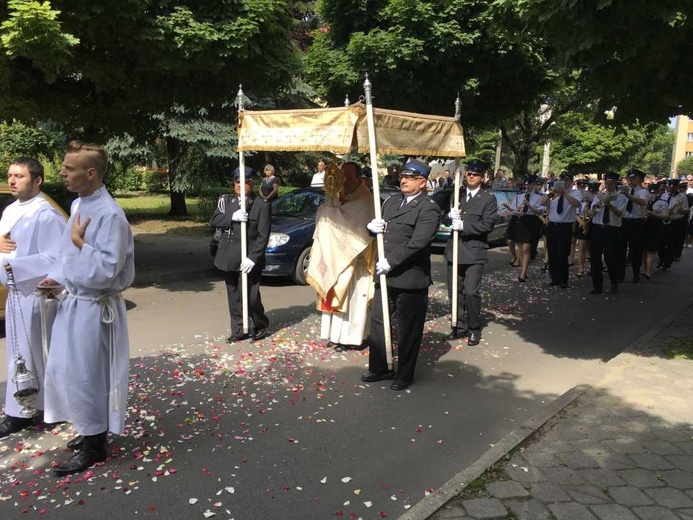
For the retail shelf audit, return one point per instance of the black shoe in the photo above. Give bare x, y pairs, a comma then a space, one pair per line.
564, 285
596, 291
235, 338
12, 425
614, 288
372, 377
553, 284
636, 279
474, 338
260, 334
93, 450
457, 333
340, 348
647, 276
521, 279
76, 443
399, 385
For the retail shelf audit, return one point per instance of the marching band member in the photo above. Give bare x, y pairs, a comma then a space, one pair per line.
655, 214
562, 204
582, 226
681, 222
529, 224
633, 225
511, 231
606, 211
673, 226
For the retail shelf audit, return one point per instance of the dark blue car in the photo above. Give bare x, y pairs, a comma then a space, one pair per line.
291, 237
293, 224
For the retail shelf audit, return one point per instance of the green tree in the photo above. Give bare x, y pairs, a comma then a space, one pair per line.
583, 144
138, 59
19, 139
635, 54
685, 166
420, 53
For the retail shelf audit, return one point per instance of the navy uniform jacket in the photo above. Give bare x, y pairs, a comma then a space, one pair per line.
228, 257
408, 236
479, 216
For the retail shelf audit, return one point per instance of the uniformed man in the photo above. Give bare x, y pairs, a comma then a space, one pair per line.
473, 220
607, 210
228, 217
633, 225
675, 226
409, 224
563, 202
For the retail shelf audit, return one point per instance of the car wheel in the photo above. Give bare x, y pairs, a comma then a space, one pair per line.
301, 268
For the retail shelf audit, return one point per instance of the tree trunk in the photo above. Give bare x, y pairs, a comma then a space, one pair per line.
174, 151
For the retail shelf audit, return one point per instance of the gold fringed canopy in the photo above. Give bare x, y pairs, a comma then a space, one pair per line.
337, 130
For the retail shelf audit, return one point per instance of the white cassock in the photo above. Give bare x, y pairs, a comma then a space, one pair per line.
36, 227
87, 371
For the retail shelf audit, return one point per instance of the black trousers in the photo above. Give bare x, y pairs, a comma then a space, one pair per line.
679, 241
468, 295
256, 311
558, 238
666, 245
633, 245
410, 306
604, 240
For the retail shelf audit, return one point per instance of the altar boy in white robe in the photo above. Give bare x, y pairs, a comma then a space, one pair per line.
87, 370
30, 230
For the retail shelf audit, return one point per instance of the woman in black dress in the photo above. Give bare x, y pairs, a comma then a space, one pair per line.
269, 189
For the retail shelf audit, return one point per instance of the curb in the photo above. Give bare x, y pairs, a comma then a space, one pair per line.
433, 502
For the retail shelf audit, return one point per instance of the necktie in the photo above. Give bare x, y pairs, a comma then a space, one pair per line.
606, 217
469, 195
525, 209
559, 208
629, 206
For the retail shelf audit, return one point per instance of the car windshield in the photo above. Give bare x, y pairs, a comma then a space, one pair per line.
299, 204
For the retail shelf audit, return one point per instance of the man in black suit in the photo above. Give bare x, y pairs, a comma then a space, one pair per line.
473, 220
409, 224
228, 217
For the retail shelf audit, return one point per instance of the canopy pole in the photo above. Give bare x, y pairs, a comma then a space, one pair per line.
456, 234
244, 225
367, 87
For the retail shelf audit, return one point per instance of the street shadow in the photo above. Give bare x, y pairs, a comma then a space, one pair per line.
570, 322
281, 427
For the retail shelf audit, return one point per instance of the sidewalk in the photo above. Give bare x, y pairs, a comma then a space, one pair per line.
621, 450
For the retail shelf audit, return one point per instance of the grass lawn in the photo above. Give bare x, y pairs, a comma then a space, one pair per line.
141, 205
148, 213
680, 348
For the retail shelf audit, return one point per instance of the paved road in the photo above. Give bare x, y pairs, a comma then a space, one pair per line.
286, 429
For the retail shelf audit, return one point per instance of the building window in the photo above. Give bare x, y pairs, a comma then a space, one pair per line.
688, 154
690, 136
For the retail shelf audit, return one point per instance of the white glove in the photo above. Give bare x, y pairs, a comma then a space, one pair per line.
455, 214
457, 224
377, 225
382, 267
239, 216
247, 265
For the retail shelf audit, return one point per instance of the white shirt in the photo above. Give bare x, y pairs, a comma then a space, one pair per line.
568, 214
618, 200
676, 202
318, 180
472, 193
534, 200
638, 210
